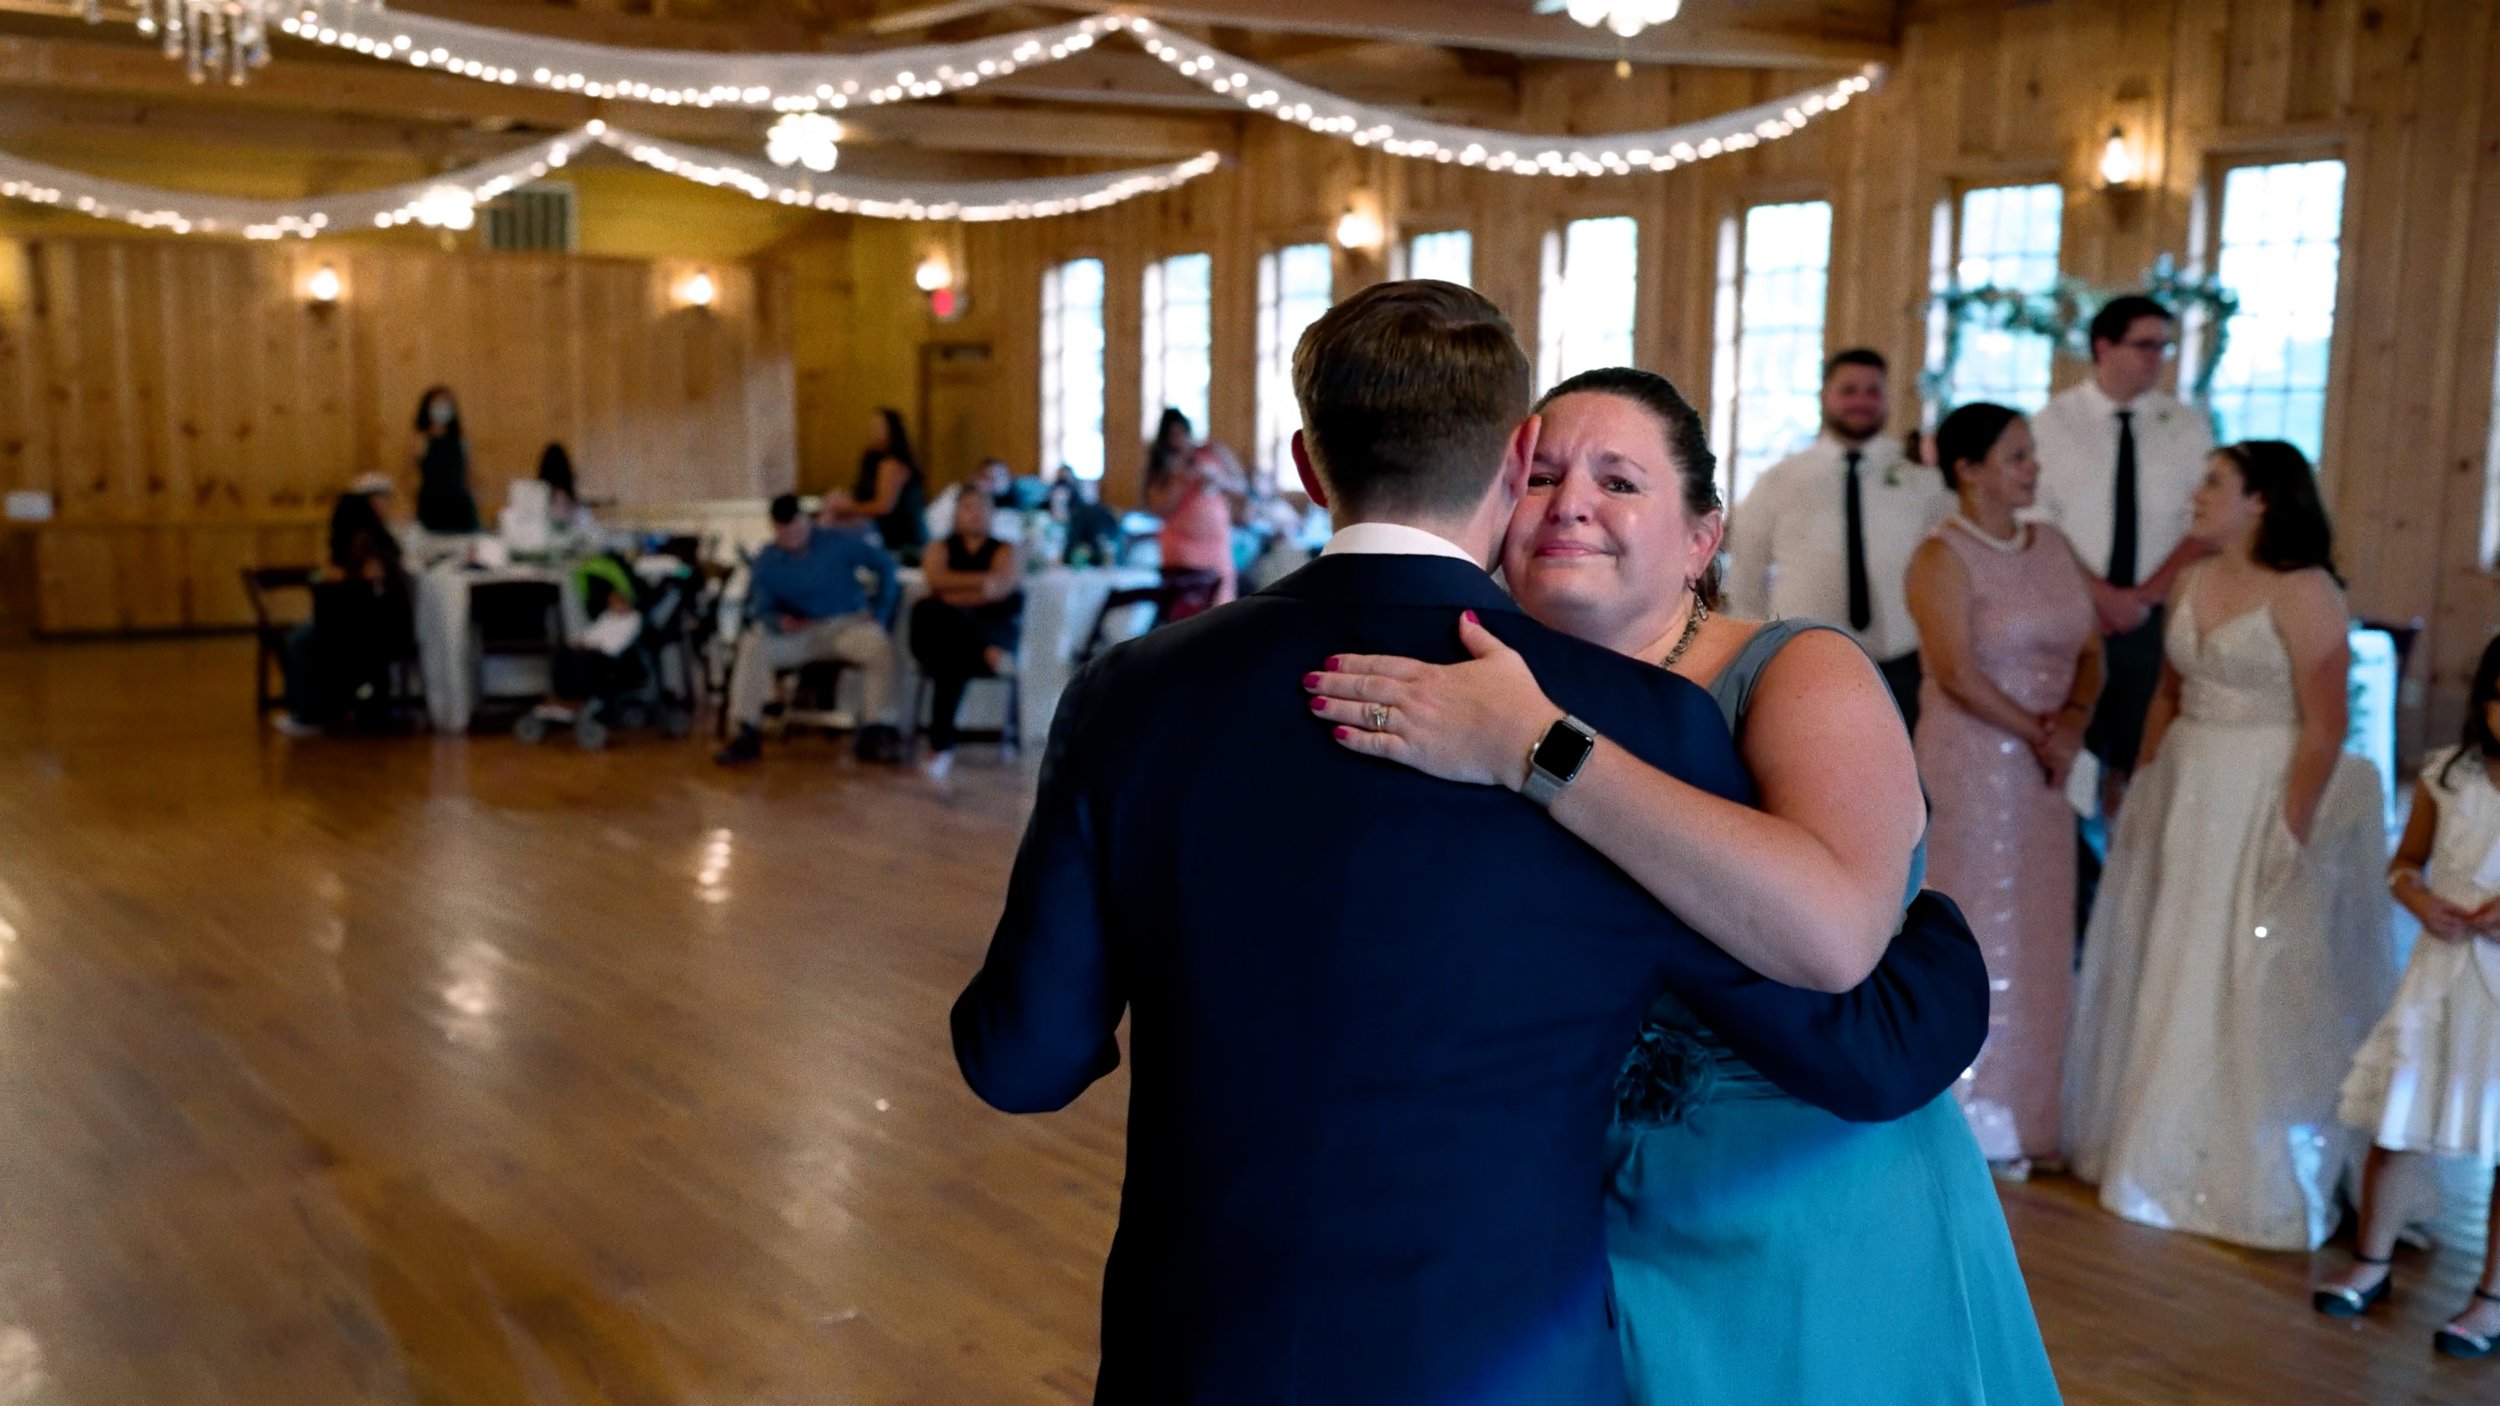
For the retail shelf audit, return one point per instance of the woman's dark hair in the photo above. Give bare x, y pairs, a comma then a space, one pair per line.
1687, 444
358, 533
425, 426
1172, 416
2295, 534
555, 469
1967, 435
2479, 742
897, 439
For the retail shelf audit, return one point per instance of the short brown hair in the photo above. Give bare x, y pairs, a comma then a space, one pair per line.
1409, 393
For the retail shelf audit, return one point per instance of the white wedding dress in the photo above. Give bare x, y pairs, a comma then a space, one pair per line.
2229, 973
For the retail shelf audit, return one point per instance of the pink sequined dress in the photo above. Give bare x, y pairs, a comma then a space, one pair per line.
2001, 840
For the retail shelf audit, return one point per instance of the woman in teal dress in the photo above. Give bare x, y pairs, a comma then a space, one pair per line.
1764, 1251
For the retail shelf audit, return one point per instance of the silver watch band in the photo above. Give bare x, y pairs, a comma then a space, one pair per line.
1542, 786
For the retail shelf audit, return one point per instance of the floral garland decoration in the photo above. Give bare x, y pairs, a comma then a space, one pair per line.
2063, 313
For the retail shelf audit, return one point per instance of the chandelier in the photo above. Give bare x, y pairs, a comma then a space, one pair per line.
228, 38
1624, 18
808, 139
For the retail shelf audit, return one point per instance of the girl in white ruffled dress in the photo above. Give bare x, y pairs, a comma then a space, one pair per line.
2427, 1081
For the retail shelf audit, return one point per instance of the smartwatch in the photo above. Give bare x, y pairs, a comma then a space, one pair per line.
1555, 761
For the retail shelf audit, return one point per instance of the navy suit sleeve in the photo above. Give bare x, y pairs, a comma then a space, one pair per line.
1878, 1052
1882, 1050
1038, 1024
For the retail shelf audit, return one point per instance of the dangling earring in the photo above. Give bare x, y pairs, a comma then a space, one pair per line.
1699, 613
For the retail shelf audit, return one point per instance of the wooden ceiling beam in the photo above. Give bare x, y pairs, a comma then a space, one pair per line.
1044, 132
1119, 79
918, 17
1514, 31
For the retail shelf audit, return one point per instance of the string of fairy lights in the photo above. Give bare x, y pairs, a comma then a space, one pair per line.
450, 200
802, 149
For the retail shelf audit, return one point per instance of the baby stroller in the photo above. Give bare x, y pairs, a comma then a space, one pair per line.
636, 665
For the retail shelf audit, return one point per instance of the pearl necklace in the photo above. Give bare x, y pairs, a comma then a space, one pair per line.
2011, 546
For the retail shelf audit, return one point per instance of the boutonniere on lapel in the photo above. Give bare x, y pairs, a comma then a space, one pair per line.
2162, 416
1892, 474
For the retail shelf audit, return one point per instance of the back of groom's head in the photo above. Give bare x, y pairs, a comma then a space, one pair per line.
1410, 393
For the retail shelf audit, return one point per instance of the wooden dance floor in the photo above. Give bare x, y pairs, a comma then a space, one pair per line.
405, 1071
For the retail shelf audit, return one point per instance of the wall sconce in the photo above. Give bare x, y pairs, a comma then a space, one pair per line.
2121, 167
1360, 227
323, 288
696, 290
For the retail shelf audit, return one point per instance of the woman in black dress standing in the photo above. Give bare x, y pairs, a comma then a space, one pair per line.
967, 627
890, 494
444, 503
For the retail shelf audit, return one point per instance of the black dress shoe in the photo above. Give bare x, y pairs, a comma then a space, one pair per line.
2452, 1341
747, 746
2341, 1302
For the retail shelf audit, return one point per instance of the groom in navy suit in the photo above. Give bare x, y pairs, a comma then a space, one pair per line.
1376, 1017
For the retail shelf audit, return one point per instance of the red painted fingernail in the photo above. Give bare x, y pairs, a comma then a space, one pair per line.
1310, 680
1344, 732
1319, 705
1332, 663
1472, 620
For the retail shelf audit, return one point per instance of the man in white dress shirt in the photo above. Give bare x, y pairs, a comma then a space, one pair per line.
2119, 460
1827, 533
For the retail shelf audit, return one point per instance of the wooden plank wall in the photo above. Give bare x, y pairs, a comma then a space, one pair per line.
1988, 91
192, 414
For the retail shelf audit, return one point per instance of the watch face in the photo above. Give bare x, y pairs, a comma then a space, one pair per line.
1562, 751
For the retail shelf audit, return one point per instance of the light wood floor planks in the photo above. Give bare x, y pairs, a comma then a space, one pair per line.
463, 1073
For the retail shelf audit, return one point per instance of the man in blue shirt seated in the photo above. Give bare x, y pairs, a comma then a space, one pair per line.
806, 604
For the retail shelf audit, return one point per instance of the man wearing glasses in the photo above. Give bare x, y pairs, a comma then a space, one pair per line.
2119, 458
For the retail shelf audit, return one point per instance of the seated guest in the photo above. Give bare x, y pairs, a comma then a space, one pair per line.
1092, 530
993, 483
567, 519
593, 663
805, 605
998, 481
1197, 517
967, 627
361, 620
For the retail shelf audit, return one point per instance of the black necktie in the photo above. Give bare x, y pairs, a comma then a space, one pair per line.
1861, 598
2122, 539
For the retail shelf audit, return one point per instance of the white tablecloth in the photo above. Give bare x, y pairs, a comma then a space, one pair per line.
1059, 609
451, 669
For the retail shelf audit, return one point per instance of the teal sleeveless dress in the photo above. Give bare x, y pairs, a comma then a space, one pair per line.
1766, 1253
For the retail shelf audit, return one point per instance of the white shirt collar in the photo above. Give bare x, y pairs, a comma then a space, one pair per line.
1880, 452
2104, 406
1390, 539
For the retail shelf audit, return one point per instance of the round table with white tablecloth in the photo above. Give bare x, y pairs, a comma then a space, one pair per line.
444, 654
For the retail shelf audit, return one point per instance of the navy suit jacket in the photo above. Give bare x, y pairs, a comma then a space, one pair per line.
1377, 1017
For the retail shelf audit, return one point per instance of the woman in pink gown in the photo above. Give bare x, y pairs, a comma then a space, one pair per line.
2013, 660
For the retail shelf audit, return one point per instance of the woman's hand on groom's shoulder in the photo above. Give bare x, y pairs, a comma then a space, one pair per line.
1473, 722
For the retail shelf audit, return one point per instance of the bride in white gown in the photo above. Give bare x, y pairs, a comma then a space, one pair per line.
2241, 946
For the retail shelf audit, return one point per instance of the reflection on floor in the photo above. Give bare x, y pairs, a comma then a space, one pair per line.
403, 1070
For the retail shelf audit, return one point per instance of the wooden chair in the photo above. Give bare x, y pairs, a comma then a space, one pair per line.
1008, 736
270, 631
